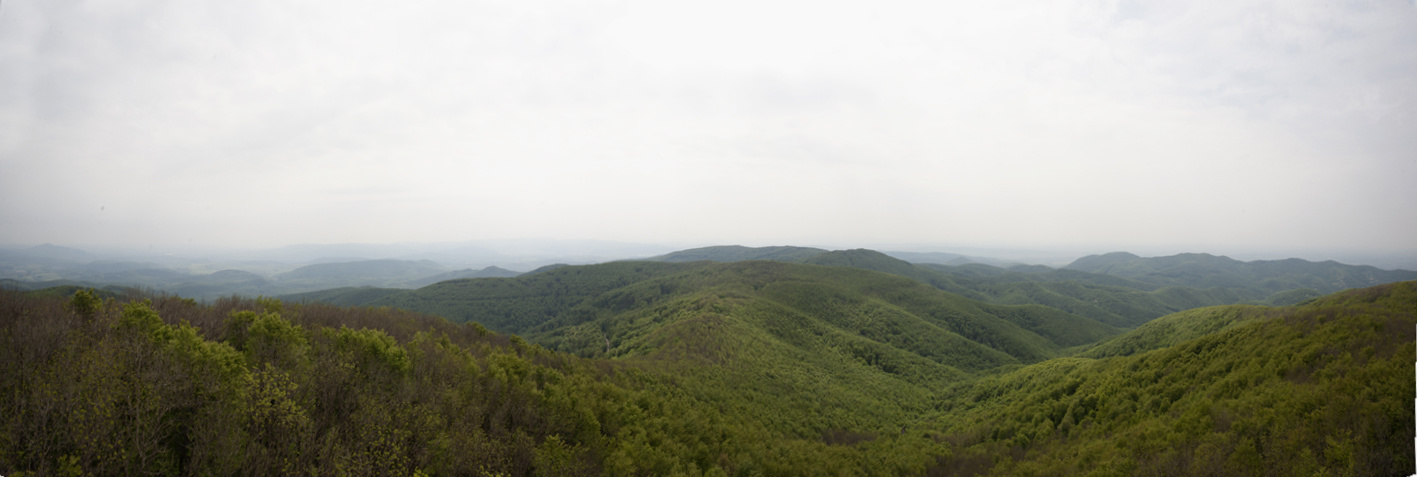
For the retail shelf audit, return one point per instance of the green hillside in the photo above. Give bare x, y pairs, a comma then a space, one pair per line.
220, 283
64, 291
864, 347
1319, 389
812, 363
225, 282
890, 309
344, 296
519, 304
1201, 270
609, 298
1292, 297
871, 260
1119, 289
1112, 300
1116, 305
738, 253
488, 272
384, 273
1179, 328
1036, 273
68, 286
260, 388
748, 368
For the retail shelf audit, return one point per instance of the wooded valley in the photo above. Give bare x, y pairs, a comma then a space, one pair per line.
713, 368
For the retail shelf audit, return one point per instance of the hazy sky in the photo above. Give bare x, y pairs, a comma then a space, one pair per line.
1202, 126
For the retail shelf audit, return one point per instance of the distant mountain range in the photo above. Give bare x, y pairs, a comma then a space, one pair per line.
489, 272
1114, 300
393, 273
320, 276
1120, 289
1196, 270
1201, 270
736, 253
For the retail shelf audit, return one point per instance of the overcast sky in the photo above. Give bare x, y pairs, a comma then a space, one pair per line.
1193, 126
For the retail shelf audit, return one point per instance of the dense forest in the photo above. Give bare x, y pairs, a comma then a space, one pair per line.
1119, 288
1119, 296
254, 387
745, 368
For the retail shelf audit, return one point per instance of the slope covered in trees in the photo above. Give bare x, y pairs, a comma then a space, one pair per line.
1203, 270
751, 368
168, 386
487, 272
387, 272
601, 307
738, 253
208, 279
1119, 289
1318, 389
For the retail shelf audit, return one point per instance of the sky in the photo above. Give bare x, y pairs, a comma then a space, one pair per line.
1169, 126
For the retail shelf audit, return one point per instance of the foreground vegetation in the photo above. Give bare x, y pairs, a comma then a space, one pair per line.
165, 386
728, 369
1321, 389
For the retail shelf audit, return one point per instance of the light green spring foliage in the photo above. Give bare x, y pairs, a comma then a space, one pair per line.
1321, 389
85, 302
1179, 328
370, 347
734, 369
266, 390
1165, 285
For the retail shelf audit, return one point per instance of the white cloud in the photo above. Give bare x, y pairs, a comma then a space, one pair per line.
1018, 122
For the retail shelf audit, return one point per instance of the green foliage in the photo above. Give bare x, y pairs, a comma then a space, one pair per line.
85, 303
712, 369
1178, 328
370, 347
1155, 288
596, 309
1292, 297
269, 338
382, 273
140, 316
521, 304
737, 253
271, 305
1116, 301
63, 288
1200, 270
1319, 389
345, 296
276, 423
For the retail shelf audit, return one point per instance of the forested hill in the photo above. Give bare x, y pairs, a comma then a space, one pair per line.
1319, 389
488, 272
738, 253
518, 305
608, 309
1201, 270
388, 272
322, 276
1192, 270
738, 369
1119, 289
